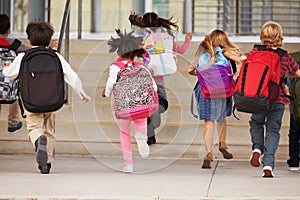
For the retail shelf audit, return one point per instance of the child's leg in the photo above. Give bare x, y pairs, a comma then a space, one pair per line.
124, 126
155, 120
294, 133
140, 127
49, 124
208, 135
14, 122
35, 129
222, 131
13, 113
35, 126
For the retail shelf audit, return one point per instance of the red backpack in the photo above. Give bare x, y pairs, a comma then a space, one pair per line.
259, 80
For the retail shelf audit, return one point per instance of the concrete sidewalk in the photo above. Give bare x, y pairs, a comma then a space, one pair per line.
159, 179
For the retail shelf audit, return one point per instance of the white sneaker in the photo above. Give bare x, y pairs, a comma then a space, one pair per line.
142, 145
294, 168
267, 172
255, 158
127, 169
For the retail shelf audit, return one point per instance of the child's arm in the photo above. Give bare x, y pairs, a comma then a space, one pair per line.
12, 71
73, 80
293, 71
192, 70
111, 80
53, 43
234, 57
182, 49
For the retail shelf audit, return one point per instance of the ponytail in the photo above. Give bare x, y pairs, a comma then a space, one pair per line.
136, 20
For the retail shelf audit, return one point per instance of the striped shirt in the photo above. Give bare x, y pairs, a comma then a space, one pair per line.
287, 64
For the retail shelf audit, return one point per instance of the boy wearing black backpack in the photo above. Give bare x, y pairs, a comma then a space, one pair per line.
40, 115
14, 122
271, 36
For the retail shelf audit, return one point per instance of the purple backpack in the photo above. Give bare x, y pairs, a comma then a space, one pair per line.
216, 81
134, 94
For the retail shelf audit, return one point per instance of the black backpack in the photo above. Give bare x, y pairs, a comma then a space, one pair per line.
41, 80
8, 88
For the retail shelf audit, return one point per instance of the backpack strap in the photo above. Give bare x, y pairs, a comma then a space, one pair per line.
279, 51
21, 107
13, 46
122, 65
192, 101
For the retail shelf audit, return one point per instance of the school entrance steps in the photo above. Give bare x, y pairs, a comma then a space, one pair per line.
90, 129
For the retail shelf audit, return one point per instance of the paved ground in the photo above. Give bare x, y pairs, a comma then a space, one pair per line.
159, 179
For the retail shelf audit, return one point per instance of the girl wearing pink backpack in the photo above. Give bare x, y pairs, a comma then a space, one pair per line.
137, 100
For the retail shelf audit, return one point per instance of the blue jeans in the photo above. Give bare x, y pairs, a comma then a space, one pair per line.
294, 136
268, 143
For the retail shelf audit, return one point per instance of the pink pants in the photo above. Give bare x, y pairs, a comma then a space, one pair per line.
140, 126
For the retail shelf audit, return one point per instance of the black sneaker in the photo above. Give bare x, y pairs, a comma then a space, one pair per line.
14, 127
45, 169
41, 152
151, 140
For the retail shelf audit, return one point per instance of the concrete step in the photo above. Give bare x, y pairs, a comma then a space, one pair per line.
84, 129
81, 130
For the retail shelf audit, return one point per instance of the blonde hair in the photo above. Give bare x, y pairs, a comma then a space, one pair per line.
216, 38
271, 34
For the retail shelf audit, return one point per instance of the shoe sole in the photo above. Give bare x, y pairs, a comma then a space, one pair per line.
41, 154
267, 174
142, 145
225, 153
44, 169
15, 130
126, 171
206, 164
254, 161
294, 168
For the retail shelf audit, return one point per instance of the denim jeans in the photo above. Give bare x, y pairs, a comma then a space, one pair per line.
270, 120
294, 136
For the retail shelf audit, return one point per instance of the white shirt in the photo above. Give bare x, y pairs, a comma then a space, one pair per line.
70, 76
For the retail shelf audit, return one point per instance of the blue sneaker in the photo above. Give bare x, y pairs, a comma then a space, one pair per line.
14, 127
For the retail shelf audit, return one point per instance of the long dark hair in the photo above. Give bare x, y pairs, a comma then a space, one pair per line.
127, 45
152, 20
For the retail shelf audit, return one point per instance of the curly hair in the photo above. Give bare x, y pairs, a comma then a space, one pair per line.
127, 45
153, 21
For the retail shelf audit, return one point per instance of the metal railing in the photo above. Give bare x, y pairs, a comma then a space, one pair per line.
237, 17
245, 17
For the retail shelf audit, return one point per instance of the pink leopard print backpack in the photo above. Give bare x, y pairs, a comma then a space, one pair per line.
134, 94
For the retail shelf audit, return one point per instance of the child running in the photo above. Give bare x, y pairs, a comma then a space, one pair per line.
128, 47
41, 126
265, 127
153, 24
214, 111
